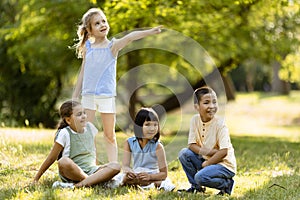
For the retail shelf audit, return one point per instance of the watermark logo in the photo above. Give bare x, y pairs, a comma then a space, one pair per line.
174, 81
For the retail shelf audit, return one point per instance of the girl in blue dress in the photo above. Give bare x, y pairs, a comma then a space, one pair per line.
150, 167
96, 81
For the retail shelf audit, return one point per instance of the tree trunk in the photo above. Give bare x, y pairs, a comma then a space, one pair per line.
229, 87
278, 85
172, 102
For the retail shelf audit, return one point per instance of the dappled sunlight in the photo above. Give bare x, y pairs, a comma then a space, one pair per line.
27, 135
243, 184
272, 116
251, 182
266, 150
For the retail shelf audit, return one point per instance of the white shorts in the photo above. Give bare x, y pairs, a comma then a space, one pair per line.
99, 103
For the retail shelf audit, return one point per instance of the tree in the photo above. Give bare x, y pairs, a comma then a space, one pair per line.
35, 58
290, 70
37, 64
233, 32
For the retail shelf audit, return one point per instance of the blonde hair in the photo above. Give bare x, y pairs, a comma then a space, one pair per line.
84, 28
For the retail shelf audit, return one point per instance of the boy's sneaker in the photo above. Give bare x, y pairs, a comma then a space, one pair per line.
167, 185
58, 184
229, 189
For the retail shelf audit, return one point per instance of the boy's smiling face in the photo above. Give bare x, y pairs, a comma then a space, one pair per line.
207, 107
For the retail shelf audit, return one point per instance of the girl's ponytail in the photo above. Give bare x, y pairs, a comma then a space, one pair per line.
66, 110
62, 124
82, 37
83, 28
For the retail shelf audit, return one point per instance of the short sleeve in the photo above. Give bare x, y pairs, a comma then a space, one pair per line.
223, 137
62, 137
93, 129
193, 131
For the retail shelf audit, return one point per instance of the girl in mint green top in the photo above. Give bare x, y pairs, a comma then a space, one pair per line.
79, 147
74, 148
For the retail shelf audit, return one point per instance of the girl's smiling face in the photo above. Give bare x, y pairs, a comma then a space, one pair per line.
150, 128
99, 25
208, 106
77, 121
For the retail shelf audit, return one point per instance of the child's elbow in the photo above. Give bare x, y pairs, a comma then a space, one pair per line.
224, 152
165, 175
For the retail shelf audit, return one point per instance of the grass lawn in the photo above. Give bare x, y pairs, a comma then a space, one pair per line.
264, 131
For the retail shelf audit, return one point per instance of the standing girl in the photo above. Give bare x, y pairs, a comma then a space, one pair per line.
97, 77
209, 160
74, 148
149, 159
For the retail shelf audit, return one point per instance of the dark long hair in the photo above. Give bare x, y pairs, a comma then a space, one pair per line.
143, 115
66, 110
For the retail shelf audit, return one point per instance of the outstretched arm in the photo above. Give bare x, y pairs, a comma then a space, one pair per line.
56, 149
135, 35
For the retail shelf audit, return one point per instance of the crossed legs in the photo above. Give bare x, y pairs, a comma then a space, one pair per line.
68, 169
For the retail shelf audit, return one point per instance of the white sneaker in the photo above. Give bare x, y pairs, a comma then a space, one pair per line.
112, 184
58, 184
150, 186
167, 185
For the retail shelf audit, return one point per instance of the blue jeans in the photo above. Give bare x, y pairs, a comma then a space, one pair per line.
213, 176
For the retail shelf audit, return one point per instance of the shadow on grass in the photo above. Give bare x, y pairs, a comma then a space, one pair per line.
257, 153
254, 154
281, 187
45, 191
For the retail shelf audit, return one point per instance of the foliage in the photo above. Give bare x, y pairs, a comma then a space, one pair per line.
291, 67
35, 58
38, 70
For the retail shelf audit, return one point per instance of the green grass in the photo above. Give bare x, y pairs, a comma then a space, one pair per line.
264, 131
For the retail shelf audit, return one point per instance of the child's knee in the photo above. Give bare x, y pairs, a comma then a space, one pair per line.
116, 167
201, 179
181, 152
64, 162
184, 153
